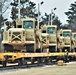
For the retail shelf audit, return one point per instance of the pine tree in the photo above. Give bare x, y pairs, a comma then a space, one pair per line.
27, 9
71, 14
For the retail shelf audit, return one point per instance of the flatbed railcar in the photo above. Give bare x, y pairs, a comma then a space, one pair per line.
23, 58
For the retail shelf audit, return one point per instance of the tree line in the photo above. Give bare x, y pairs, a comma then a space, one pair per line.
29, 9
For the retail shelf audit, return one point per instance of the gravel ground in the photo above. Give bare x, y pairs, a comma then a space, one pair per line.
68, 69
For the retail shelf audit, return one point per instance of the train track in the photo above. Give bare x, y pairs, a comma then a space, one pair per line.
16, 67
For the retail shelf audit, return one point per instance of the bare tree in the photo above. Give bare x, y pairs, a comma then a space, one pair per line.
4, 5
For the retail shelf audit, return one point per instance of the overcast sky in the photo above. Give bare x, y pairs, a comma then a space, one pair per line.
61, 5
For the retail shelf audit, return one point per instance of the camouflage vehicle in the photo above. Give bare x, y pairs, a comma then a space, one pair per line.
74, 41
64, 39
49, 37
22, 36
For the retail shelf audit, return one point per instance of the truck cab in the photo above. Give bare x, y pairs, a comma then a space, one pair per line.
50, 37
64, 39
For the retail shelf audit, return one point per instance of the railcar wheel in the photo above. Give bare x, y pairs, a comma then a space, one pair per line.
39, 61
20, 62
32, 61
46, 61
24, 62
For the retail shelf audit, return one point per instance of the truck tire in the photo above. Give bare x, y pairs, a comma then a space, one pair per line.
8, 48
30, 48
52, 49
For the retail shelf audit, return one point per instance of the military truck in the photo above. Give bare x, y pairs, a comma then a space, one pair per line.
49, 37
64, 39
74, 41
22, 37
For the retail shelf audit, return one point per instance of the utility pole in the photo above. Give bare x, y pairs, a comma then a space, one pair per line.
19, 9
52, 15
49, 20
39, 12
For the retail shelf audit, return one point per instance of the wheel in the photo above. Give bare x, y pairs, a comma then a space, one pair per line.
46, 61
32, 61
39, 61
30, 48
20, 62
68, 49
52, 48
8, 48
38, 50
24, 62
59, 50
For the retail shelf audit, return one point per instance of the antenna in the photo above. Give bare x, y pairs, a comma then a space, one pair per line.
51, 16
49, 20
38, 14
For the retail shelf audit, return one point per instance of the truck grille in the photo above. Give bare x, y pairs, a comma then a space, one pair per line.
16, 36
52, 39
67, 42
45, 40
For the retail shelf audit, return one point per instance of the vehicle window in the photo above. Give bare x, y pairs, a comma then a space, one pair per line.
66, 33
75, 36
51, 30
28, 24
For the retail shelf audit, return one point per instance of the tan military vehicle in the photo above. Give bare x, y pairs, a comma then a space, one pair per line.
74, 41
23, 37
49, 37
64, 39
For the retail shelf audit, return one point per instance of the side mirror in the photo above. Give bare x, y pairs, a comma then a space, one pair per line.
60, 34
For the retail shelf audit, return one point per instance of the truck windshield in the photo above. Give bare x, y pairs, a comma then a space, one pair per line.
51, 30
27, 24
66, 33
74, 36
